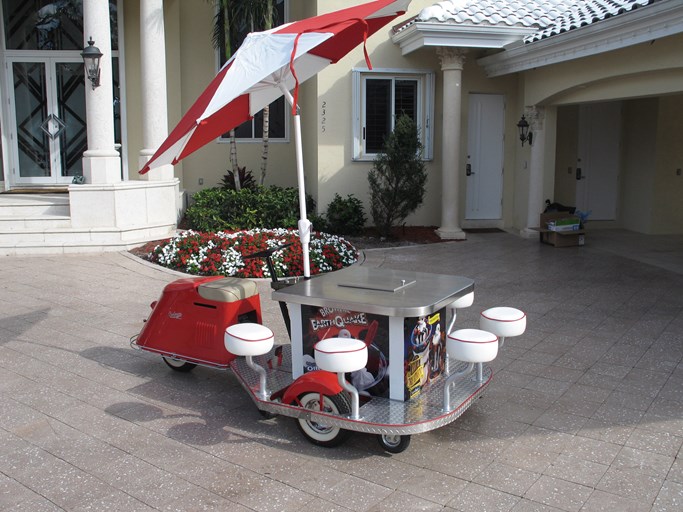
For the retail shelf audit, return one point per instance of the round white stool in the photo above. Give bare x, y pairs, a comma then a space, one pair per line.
472, 346
250, 340
503, 322
461, 302
340, 356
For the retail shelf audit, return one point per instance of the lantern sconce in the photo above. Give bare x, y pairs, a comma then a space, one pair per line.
524, 134
91, 58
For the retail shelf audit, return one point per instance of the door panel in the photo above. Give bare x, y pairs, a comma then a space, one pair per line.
50, 119
598, 165
73, 140
485, 157
31, 112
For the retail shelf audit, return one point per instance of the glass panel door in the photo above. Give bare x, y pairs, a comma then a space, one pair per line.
50, 119
32, 144
70, 107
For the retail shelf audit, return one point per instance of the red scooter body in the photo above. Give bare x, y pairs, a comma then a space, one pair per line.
189, 320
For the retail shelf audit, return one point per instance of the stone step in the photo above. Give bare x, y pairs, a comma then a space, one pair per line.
31, 205
35, 223
69, 240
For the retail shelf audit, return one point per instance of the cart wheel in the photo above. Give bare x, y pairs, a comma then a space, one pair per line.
393, 443
178, 364
318, 433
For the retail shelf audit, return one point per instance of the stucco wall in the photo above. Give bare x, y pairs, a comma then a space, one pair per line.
328, 158
210, 163
648, 69
642, 70
339, 173
133, 101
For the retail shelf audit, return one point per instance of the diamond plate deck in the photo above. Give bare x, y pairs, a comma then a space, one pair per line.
378, 415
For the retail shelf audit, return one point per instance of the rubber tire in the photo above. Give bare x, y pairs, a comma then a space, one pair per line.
179, 365
321, 435
393, 444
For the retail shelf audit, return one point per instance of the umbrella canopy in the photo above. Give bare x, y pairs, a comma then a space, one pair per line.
266, 63
266, 66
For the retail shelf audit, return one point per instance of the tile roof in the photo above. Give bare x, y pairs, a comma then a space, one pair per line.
550, 17
586, 13
520, 13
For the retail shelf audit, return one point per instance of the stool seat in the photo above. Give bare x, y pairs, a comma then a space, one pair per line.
503, 321
462, 302
341, 355
248, 339
472, 345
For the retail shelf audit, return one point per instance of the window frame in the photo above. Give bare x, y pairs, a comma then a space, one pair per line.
259, 140
425, 106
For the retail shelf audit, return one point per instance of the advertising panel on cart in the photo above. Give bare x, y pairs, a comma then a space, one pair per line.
401, 315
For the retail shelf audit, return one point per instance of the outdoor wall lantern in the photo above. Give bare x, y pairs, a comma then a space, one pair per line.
524, 134
91, 58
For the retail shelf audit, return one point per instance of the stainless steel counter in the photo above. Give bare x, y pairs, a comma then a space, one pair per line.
393, 293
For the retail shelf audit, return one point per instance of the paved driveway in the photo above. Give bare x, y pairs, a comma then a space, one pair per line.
585, 411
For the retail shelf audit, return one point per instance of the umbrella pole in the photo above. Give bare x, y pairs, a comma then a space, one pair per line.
305, 225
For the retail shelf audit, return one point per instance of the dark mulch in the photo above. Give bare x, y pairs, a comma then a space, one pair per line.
400, 237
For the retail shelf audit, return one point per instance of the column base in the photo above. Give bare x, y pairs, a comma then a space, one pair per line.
126, 205
528, 233
451, 234
161, 173
100, 169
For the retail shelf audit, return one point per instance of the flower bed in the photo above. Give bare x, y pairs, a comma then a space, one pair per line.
222, 253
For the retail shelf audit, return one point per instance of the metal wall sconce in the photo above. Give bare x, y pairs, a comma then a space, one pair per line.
524, 134
91, 58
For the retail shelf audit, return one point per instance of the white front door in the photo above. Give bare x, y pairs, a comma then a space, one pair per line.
485, 157
48, 119
598, 162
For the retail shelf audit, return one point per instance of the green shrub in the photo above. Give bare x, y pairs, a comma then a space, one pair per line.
345, 216
205, 212
219, 209
398, 177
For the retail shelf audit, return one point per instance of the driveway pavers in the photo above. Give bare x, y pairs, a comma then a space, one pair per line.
585, 412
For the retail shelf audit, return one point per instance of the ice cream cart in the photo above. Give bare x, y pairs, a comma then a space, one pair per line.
370, 351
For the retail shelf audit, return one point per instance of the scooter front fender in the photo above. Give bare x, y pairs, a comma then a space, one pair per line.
317, 381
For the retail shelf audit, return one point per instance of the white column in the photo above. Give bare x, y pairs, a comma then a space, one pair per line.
154, 100
535, 205
452, 62
101, 161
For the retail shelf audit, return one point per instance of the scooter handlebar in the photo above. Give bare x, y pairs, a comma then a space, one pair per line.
275, 284
266, 253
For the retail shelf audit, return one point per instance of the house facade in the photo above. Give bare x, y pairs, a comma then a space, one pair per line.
600, 83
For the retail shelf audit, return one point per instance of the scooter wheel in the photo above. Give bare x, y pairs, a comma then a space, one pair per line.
319, 433
393, 443
178, 364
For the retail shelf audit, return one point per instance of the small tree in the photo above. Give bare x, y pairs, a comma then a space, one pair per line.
398, 177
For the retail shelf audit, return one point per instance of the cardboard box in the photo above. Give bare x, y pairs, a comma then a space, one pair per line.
563, 238
561, 229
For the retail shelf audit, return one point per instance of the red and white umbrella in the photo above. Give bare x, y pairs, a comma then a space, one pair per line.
266, 66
